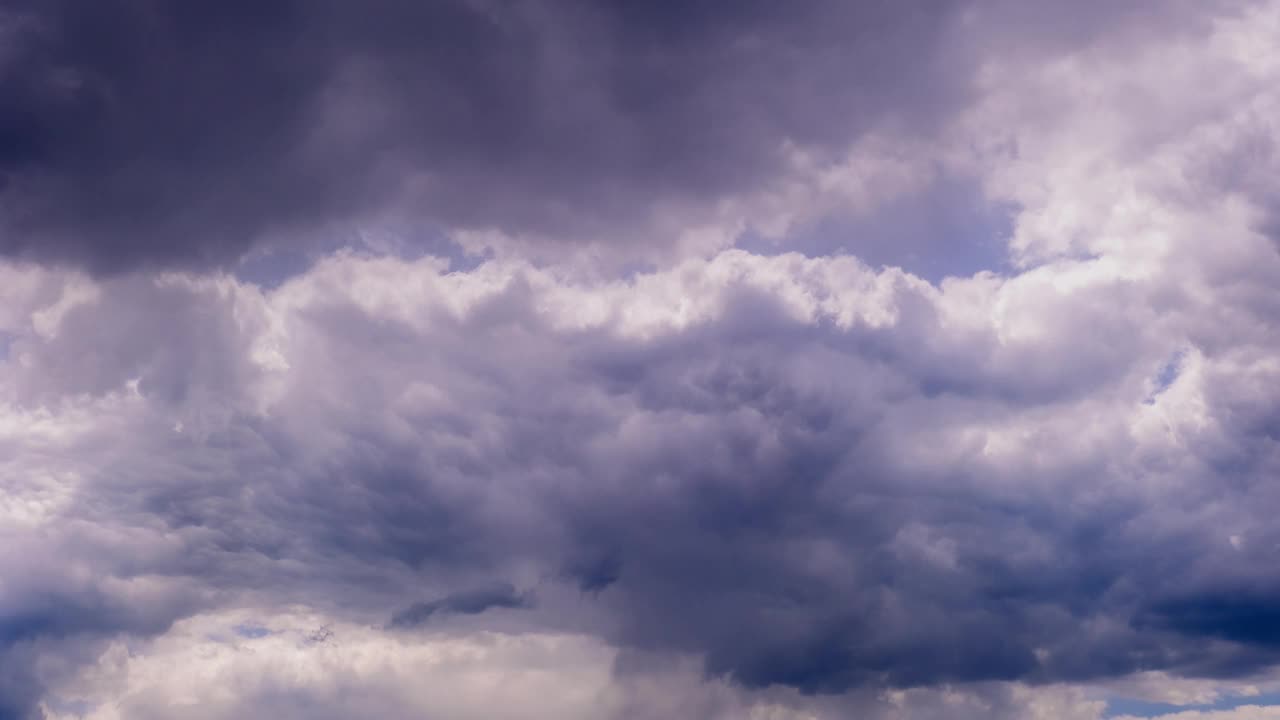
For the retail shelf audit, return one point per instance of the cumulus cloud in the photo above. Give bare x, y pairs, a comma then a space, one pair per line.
738, 483
280, 670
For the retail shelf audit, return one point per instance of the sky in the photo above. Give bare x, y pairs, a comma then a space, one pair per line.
617, 360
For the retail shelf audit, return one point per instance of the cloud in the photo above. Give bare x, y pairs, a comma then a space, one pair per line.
852, 499
469, 602
363, 670
144, 134
147, 135
735, 482
1244, 712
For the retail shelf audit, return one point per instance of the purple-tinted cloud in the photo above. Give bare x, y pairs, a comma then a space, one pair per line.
769, 471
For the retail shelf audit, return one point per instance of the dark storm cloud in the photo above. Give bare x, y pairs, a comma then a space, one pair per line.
147, 133
1238, 614
467, 602
140, 132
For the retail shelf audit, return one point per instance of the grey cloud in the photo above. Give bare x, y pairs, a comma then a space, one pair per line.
185, 364
52, 622
147, 134
751, 489
810, 478
468, 602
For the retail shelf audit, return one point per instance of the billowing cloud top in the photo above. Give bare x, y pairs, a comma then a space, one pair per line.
472, 359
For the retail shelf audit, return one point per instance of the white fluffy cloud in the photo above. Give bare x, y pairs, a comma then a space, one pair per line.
297, 664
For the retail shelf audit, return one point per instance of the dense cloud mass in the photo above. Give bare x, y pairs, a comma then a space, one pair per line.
903, 361
181, 133
160, 134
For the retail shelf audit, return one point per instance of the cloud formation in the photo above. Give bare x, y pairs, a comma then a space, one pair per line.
469, 602
149, 133
145, 133
739, 482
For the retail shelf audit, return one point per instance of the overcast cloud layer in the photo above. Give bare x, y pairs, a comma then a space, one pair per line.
587, 360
